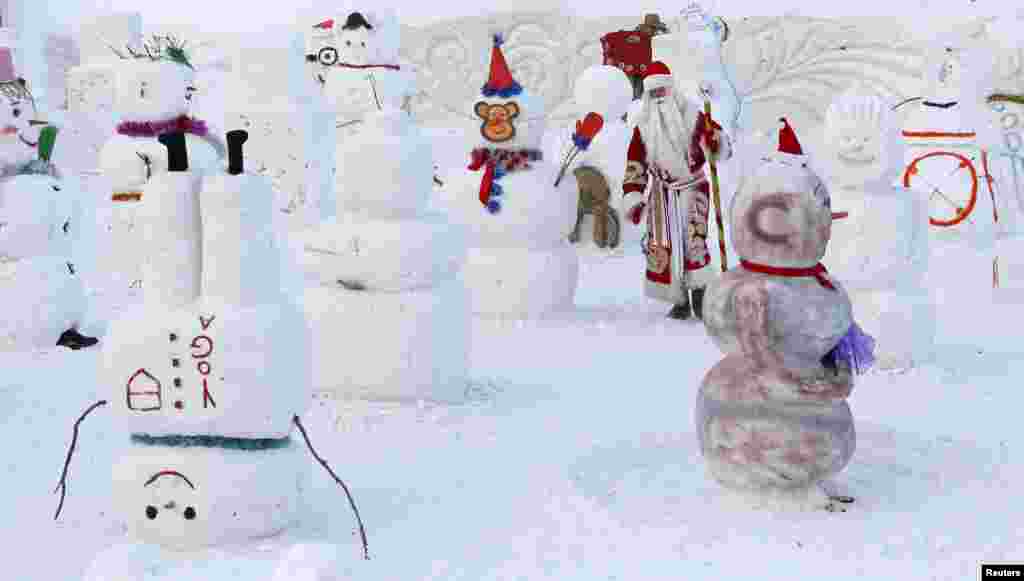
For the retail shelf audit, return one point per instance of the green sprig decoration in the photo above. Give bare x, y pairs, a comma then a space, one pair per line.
160, 48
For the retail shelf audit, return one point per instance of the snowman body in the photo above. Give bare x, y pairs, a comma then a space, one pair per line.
881, 251
606, 91
387, 265
146, 92
520, 260
197, 371
771, 417
42, 293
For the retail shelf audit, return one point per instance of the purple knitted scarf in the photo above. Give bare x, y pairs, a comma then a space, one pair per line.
183, 123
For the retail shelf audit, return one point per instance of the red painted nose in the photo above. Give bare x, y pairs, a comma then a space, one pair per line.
840, 215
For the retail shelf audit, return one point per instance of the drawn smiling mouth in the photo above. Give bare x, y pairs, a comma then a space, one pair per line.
857, 160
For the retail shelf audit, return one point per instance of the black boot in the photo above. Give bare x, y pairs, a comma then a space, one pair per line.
680, 312
697, 300
74, 340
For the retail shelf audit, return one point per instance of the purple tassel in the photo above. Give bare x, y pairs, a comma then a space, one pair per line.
156, 128
856, 349
581, 142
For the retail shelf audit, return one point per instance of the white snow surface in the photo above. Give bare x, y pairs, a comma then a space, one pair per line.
574, 458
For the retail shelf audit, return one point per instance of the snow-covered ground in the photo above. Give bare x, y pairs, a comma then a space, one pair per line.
575, 458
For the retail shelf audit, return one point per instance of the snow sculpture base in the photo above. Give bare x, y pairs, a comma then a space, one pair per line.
406, 346
381, 255
41, 300
760, 430
903, 323
286, 557
234, 495
218, 354
521, 282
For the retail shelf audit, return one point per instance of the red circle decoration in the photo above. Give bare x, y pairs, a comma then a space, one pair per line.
964, 162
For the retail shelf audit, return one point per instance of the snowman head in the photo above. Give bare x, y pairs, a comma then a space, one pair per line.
17, 111
990, 96
782, 214
355, 41
35, 217
154, 84
173, 512
862, 139
605, 90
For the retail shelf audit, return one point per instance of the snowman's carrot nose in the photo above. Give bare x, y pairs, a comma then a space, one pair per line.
840, 215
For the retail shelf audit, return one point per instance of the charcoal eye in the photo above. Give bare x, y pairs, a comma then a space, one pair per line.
16, 112
67, 226
348, 43
190, 513
55, 188
363, 44
151, 512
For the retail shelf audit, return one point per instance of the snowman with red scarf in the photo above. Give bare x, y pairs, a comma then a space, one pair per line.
520, 261
772, 417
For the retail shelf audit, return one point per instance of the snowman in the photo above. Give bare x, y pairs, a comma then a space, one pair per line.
604, 91
772, 417
387, 263
881, 252
43, 297
196, 374
355, 65
152, 91
994, 106
520, 261
942, 158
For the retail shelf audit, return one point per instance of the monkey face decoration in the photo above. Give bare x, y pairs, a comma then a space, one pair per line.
497, 124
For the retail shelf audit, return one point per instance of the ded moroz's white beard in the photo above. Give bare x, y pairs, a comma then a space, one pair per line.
666, 129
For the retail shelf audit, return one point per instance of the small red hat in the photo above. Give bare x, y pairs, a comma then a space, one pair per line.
787, 139
500, 81
325, 25
657, 68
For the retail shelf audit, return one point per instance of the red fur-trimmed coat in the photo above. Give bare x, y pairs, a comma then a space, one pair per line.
676, 208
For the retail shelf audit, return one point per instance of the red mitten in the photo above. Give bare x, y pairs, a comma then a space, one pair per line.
636, 213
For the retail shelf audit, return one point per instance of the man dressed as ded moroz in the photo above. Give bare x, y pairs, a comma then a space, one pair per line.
669, 149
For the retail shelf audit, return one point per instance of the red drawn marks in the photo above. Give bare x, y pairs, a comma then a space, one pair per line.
207, 398
202, 346
143, 392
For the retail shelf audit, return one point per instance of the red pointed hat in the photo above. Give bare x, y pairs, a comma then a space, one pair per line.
325, 25
657, 68
787, 139
500, 82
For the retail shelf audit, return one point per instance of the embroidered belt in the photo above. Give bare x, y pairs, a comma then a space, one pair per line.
677, 185
126, 197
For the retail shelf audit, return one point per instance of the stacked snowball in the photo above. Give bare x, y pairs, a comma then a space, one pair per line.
385, 290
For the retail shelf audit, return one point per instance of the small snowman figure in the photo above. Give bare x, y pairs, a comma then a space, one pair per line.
881, 252
772, 417
43, 297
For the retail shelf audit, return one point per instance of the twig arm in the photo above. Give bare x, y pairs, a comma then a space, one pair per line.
62, 485
351, 501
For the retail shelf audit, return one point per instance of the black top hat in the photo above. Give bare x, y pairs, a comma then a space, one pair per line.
356, 20
235, 159
177, 153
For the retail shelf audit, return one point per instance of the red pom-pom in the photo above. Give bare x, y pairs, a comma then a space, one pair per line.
636, 213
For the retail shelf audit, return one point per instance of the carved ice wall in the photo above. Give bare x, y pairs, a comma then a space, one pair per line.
781, 65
